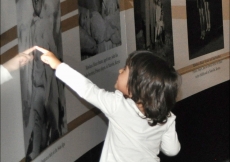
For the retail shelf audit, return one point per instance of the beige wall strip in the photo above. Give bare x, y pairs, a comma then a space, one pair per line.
83, 118
126, 4
8, 36
68, 6
9, 54
69, 23
179, 12
203, 63
226, 6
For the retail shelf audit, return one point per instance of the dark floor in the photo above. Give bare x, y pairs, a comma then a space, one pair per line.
202, 126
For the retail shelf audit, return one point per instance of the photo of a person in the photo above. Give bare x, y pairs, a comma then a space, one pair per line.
159, 37
43, 98
207, 15
200, 6
205, 27
99, 22
153, 25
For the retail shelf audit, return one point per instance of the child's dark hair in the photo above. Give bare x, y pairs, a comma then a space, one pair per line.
154, 84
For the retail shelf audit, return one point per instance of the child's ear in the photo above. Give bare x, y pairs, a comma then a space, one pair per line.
140, 107
130, 95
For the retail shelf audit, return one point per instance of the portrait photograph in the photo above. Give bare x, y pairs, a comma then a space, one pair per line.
205, 27
153, 27
99, 23
42, 94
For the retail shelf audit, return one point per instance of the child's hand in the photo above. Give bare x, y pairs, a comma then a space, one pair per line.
49, 58
19, 60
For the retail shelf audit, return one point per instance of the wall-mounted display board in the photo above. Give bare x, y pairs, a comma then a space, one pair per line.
95, 38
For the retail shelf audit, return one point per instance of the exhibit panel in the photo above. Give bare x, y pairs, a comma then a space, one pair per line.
208, 63
121, 33
43, 98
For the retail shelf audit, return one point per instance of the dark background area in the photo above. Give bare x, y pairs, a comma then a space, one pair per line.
214, 39
202, 126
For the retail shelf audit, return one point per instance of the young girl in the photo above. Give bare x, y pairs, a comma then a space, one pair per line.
140, 122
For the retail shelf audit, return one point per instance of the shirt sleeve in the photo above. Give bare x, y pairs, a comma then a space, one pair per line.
106, 101
5, 75
170, 144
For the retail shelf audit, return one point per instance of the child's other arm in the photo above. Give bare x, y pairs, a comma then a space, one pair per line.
15, 63
5, 75
19, 60
170, 144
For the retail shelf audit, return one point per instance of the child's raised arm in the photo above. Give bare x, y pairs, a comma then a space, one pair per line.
106, 101
49, 58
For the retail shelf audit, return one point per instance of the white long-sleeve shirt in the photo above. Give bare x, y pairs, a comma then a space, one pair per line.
5, 75
129, 137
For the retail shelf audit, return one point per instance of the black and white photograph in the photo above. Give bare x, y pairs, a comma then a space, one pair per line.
42, 94
205, 27
153, 27
100, 29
